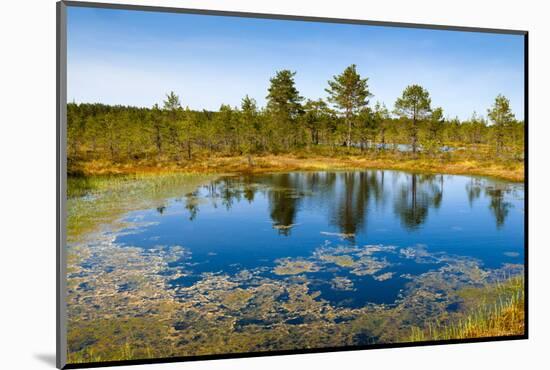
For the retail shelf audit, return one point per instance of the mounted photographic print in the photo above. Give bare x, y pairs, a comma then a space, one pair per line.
235, 184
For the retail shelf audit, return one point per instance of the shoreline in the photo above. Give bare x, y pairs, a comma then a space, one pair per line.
513, 172
501, 303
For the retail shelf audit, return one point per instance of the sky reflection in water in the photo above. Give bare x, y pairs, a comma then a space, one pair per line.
252, 222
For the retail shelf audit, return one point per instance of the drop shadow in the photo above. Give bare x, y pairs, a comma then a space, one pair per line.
46, 358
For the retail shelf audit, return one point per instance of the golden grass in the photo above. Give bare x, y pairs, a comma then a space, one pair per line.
467, 163
503, 317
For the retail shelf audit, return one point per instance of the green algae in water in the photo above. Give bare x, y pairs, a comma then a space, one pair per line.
289, 267
294, 290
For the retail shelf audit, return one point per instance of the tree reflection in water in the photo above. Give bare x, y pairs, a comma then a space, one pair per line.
416, 197
498, 205
349, 196
351, 206
283, 202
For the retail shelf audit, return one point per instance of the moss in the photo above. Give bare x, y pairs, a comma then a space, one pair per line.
112, 339
215, 315
250, 311
236, 299
294, 267
342, 261
341, 283
384, 276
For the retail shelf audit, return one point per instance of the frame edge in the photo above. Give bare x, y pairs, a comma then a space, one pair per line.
288, 17
61, 182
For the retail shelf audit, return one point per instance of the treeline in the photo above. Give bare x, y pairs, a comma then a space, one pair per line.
289, 123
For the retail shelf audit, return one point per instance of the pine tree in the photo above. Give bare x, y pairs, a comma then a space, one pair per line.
349, 93
502, 117
414, 104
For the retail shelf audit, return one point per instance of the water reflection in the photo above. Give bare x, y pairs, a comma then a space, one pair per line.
416, 197
348, 197
192, 205
351, 206
473, 190
499, 205
283, 202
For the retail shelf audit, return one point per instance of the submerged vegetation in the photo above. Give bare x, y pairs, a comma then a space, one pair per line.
123, 302
127, 312
94, 201
287, 267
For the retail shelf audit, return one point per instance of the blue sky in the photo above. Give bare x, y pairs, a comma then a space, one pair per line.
135, 58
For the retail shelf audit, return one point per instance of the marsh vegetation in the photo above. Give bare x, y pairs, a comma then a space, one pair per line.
173, 266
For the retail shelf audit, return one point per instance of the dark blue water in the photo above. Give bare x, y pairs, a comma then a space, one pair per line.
249, 222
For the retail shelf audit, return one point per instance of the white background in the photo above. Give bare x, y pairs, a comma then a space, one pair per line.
27, 185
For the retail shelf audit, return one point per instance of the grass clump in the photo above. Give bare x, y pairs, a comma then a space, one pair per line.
342, 261
118, 339
289, 267
503, 315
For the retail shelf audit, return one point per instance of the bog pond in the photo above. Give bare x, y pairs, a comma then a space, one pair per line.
262, 260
